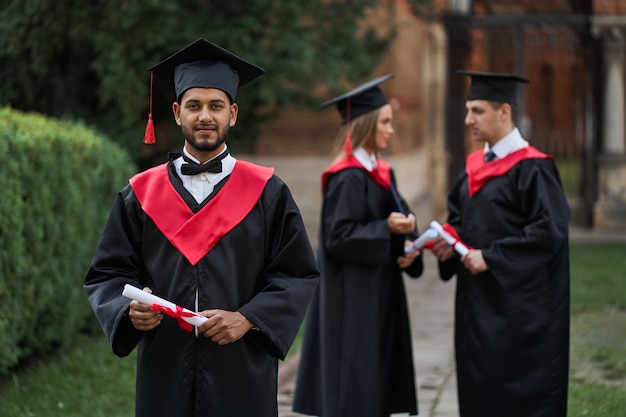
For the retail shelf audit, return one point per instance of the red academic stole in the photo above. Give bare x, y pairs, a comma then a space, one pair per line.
195, 234
381, 174
480, 172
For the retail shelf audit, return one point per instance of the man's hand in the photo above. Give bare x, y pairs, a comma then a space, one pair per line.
223, 326
475, 262
142, 317
442, 250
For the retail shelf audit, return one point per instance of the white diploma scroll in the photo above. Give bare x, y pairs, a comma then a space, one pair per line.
135, 293
421, 240
451, 240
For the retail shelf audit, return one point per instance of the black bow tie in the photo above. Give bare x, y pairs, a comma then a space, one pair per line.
193, 168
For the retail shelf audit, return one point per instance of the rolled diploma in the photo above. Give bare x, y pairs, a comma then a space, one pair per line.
135, 293
421, 240
458, 246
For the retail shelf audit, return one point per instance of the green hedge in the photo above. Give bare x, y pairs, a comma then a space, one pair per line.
58, 180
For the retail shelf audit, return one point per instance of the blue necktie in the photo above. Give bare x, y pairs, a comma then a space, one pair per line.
489, 156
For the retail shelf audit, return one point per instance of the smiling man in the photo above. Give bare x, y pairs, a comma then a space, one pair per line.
205, 117
212, 234
512, 296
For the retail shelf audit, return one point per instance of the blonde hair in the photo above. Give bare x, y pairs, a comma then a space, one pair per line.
362, 133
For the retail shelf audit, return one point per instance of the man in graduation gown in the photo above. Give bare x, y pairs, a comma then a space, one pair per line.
211, 234
512, 296
357, 358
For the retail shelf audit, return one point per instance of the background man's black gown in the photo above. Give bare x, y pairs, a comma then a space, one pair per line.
512, 322
264, 268
357, 356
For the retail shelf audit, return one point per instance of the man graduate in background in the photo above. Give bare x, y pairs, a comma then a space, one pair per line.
512, 297
212, 234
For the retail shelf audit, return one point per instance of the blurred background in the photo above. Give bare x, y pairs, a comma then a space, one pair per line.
87, 61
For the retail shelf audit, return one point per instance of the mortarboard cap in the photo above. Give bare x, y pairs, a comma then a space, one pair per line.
361, 100
492, 86
202, 64
206, 65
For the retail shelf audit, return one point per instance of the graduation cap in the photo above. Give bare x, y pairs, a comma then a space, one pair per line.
361, 100
492, 86
206, 65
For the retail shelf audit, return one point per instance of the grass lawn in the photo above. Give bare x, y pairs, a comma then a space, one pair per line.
598, 346
86, 380
89, 381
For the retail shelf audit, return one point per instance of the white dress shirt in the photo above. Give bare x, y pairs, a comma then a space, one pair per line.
368, 161
508, 144
200, 186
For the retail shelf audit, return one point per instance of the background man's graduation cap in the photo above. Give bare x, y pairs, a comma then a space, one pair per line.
361, 100
206, 65
493, 86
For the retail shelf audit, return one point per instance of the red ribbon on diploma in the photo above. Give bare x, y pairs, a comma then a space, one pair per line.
178, 315
452, 232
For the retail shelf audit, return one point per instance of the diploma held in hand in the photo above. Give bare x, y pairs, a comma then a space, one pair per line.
451, 240
185, 317
421, 241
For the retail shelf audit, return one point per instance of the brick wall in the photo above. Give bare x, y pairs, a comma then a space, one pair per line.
610, 7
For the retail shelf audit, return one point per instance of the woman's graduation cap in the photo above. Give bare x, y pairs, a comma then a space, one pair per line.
202, 64
363, 99
493, 86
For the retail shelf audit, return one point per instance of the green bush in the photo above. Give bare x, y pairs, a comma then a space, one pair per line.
58, 180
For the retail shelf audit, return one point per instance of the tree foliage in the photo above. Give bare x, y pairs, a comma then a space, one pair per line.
88, 60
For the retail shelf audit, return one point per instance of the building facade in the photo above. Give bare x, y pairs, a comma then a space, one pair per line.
573, 52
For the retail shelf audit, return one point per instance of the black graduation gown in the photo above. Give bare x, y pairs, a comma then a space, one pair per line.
264, 267
356, 357
512, 322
